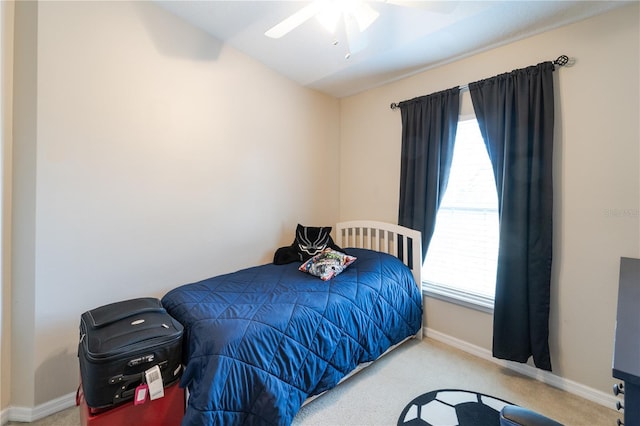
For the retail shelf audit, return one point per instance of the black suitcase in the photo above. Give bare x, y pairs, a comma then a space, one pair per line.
119, 342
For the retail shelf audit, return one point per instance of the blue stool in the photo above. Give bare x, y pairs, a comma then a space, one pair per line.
512, 415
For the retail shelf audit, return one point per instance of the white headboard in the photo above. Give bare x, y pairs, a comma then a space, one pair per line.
384, 237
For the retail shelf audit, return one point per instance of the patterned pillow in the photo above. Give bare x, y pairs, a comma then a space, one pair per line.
327, 264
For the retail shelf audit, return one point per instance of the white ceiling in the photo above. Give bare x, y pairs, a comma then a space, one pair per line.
402, 41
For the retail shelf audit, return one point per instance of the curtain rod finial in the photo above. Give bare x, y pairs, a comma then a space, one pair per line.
394, 105
561, 61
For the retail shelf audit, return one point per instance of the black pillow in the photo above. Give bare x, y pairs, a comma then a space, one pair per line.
309, 241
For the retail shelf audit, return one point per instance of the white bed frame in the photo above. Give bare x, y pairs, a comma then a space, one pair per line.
383, 237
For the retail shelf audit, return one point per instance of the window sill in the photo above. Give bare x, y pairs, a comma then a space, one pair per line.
468, 300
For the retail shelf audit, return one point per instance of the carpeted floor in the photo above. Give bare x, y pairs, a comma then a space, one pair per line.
378, 394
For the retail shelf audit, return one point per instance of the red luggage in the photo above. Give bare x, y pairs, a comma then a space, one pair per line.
166, 411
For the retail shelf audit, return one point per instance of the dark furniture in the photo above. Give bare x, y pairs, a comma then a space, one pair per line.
512, 415
626, 354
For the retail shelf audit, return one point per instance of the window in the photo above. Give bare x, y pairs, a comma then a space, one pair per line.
461, 262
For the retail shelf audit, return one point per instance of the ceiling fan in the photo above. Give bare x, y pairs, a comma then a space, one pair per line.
356, 15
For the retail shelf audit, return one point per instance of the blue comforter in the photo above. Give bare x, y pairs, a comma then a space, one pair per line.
261, 340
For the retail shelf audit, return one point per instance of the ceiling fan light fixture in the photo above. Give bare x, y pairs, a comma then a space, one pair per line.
331, 11
329, 15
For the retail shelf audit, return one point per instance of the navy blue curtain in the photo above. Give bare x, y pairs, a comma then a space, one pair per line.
515, 112
429, 125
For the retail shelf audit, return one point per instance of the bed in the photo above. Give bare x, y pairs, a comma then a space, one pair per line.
261, 342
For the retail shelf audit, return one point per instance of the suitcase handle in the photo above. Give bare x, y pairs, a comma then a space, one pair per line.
128, 394
123, 396
128, 379
128, 383
113, 312
126, 391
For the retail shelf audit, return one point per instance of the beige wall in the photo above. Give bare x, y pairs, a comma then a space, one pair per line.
6, 118
23, 205
597, 183
147, 155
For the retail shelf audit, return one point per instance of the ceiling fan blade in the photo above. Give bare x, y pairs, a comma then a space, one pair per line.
355, 38
365, 15
294, 20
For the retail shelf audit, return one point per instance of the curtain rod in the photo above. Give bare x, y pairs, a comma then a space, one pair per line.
561, 61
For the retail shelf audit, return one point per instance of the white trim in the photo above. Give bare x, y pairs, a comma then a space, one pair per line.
458, 297
27, 414
605, 399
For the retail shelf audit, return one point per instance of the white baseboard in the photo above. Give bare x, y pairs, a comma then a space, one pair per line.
27, 414
594, 395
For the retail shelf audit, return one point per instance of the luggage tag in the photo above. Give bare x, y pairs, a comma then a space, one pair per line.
154, 382
140, 394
